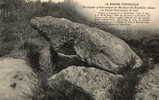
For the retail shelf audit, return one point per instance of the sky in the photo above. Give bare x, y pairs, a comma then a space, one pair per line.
56, 1
89, 13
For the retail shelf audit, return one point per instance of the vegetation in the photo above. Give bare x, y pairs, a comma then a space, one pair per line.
15, 29
15, 20
125, 87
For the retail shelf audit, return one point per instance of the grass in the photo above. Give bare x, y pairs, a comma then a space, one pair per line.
19, 30
125, 88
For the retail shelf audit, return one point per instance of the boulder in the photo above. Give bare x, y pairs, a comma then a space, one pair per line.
94, 46
140, 36
42, 57
148, 86
65, 90
102, 85
17, 80
36, 52
94, 81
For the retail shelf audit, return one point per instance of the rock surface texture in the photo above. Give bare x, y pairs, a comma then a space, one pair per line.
76, 62
17, 80
94, 81
94, 46
105, 86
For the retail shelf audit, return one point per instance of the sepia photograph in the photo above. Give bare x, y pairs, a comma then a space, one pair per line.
79, 50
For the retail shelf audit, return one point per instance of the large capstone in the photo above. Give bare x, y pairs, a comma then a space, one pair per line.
94, 46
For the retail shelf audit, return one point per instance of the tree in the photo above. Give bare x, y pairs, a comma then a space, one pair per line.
9, 8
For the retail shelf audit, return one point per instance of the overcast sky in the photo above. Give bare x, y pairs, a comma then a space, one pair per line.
51, 0
89, 13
